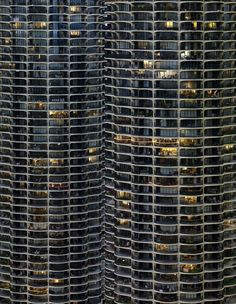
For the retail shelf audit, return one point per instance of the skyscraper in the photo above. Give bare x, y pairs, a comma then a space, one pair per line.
51, 102
170, 216
170, 149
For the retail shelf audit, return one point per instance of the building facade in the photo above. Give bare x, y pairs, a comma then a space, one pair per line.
170, 152
170, 216
51, 96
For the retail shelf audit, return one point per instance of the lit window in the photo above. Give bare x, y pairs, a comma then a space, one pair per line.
122, 139
39, 162
123, 222
168, 151
39, 273
185, 54
212, 25
37, 290
92, 150
40, 25
188, 16
92, 159
190, 268
5, 285
194, 24
125, 204
139, 72
75, 33
142, 44
74, 9
230, 223
168, 74
7, 41
16, 25
56, 162
123, 195
229, 147
161, 247
56, 281
40, 106
190, 199
147, 64
186, 142
165, 142
40, 194
58, 114
188, 171
169, 24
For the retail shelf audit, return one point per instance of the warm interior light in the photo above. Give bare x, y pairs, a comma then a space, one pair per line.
190, 199
74, 9
169, 24
92, 159
212, 25
75, 33
194, 24
147, 64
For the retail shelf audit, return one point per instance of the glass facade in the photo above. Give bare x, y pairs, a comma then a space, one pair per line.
170, 152
51, 101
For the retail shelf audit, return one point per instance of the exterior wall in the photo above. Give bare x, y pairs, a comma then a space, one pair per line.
170, 146
51, 143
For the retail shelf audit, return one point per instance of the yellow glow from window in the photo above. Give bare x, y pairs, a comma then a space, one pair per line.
39, 193
123, 222
40, 106
164, 142
92, 150
228, 147
37, 290
40, 272
189, 267
161, 247
194, 24
167, 74
212, 25
230, 223
139, 72
7, 41
169, 24
16, 25
189, 85
190, 199
125, 204
58, 114
55, 162
168, 151
92, 159
123, 195
188, 171
74, 9
75, 33
122, 139
5, 285
40, 25
39, 162
147, 64
186, 142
